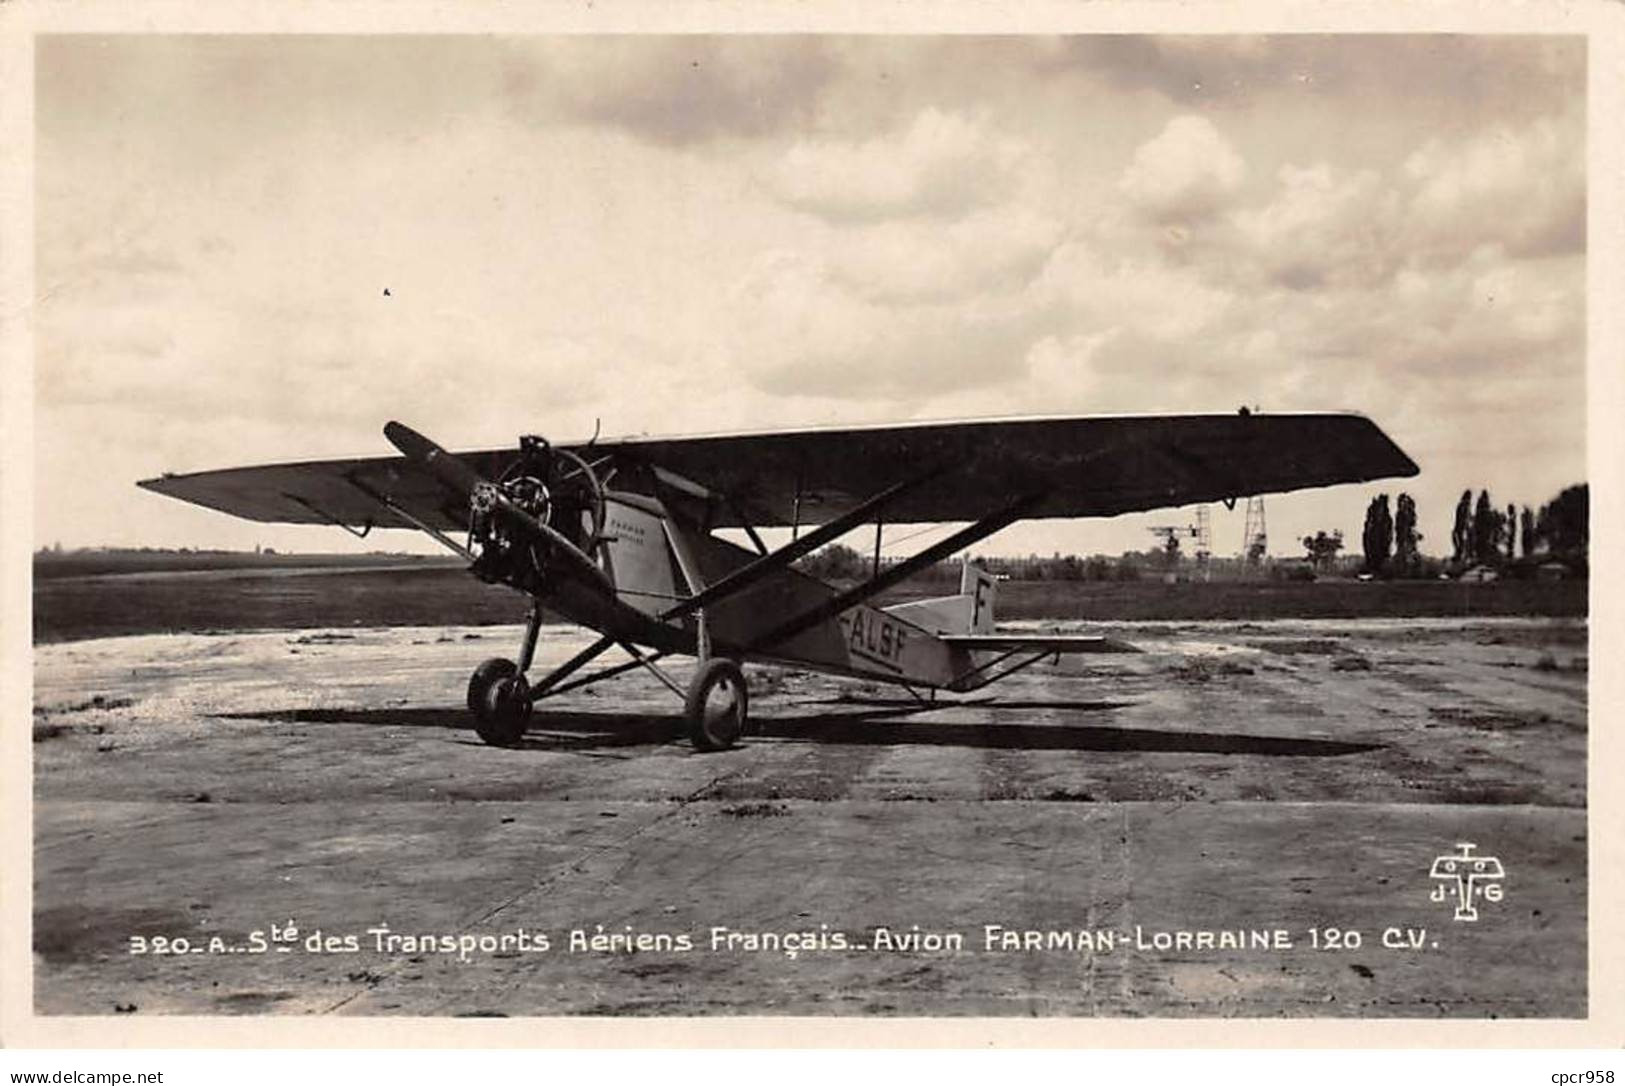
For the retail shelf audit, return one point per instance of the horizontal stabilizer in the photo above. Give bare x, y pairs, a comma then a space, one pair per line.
1045, 643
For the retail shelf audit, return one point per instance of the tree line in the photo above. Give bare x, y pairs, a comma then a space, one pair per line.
1483, 534
837, 562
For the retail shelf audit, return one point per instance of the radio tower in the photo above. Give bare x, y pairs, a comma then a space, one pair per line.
1255, 540
1201, 532
1204, 542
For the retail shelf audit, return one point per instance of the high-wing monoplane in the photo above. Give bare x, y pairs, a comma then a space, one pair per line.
622, 536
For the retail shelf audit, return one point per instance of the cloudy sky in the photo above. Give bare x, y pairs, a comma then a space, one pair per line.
692, 234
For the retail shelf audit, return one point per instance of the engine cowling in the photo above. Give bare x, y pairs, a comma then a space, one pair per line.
545, 513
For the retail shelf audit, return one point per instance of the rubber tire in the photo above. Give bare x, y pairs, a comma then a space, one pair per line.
703, 732
500, 720
484, 675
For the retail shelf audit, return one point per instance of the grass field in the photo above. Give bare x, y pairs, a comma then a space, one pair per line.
74, 608
372, 591
99, 563
1289, 599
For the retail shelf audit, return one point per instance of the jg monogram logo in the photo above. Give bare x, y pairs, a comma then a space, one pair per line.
1467, 877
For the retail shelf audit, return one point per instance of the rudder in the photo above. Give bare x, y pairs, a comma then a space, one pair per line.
982, 587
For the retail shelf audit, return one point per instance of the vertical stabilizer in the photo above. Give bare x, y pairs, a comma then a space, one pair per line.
981, 586
969, 612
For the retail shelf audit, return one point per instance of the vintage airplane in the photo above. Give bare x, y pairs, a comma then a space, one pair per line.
620, 536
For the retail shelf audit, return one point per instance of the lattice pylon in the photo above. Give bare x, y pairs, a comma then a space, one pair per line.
1255, 537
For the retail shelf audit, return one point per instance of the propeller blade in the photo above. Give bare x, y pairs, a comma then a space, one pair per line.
446, 467
457, 475
561, 547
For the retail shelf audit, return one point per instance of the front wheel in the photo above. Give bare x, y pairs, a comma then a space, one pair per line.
479, 684
499, 698
717, 705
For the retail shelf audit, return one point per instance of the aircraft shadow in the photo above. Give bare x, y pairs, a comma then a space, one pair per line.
987, 702
575, 730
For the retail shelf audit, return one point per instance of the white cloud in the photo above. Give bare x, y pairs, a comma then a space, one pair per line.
1524, 188
990, 251
942, 165
1324, 227
803, 331
1333, 227
1187, 172
671, 90
1098, 292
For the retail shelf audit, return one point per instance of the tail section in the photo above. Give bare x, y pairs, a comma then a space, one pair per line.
970, 612
980, 586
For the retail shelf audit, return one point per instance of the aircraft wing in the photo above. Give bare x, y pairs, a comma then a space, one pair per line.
331, 491
1091, 466
1088, 466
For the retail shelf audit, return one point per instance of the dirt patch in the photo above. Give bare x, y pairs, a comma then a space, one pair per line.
756, 810
860, 692
76, 933
1062, 795
49, 729
250, 1002
1202, 669
1491, 720
1352, 661
767, 681
100, 701
1547, 661
1536, 635
1302, 646
1495, 795
654, 969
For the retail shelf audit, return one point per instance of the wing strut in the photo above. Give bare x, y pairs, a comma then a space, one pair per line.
748, 575
416, 522
893, 574
750, 529
978, 677
638, 660
550, 684
359, 533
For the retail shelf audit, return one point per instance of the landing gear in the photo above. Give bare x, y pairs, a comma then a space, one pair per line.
499, 695
717, 705
499, 698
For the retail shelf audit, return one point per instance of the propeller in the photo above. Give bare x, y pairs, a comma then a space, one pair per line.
443, 465
460, 477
